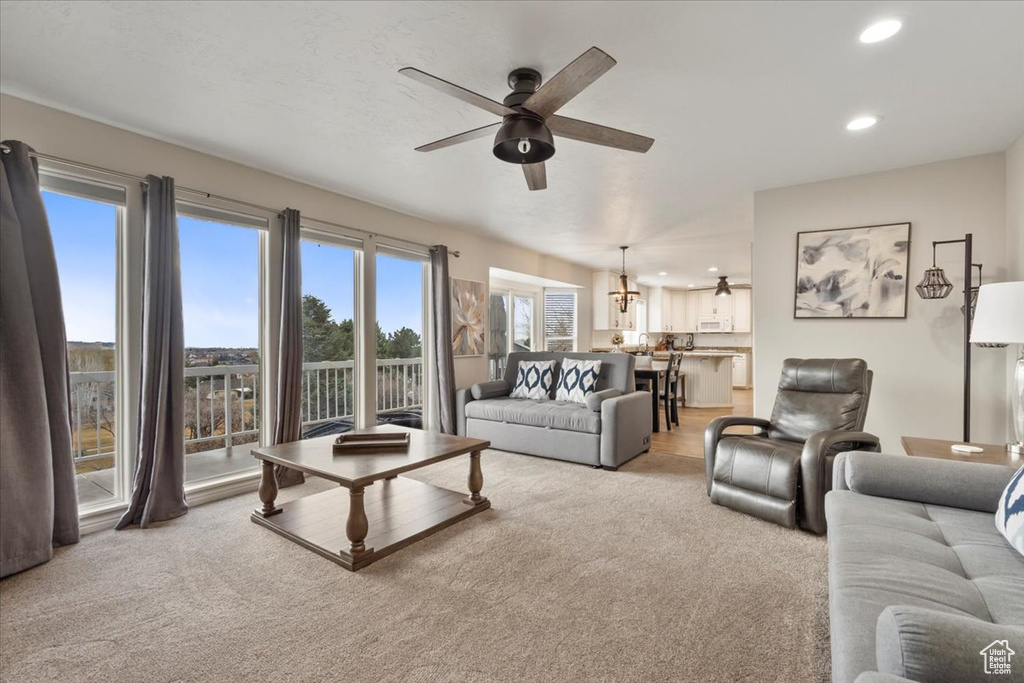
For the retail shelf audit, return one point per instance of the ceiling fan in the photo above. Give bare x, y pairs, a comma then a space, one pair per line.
528, 115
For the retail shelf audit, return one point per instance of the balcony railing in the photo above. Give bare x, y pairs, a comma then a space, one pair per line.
222, 402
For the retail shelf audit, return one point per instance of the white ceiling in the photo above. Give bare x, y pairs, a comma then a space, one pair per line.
739, 97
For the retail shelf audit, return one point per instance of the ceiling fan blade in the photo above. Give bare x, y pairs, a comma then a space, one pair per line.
481, 132
458, 92
569, 82
536, 176
583, 131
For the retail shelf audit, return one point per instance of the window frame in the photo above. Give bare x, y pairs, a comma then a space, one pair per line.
72, 181
218, 211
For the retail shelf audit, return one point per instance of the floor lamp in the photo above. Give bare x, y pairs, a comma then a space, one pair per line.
998, 321
934, 285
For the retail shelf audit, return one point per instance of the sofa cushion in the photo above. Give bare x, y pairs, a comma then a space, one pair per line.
760, 465
534, 379
1010, 514
574, 417
885, 552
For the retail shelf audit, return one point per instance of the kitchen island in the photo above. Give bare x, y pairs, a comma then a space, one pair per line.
708, 377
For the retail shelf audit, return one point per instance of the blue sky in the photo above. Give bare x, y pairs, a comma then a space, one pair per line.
219, 277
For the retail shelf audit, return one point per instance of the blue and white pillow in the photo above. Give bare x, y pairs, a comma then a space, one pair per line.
1010, 513
578, 380
534, 379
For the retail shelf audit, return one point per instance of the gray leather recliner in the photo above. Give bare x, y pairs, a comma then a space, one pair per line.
782, 473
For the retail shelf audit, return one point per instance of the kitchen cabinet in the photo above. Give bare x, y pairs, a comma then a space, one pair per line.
666, 311
741, 310
607, 315
714, 305
679, 312
692, 301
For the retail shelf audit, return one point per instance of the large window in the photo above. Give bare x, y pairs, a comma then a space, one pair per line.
220, 287
329, 333
85, 222
559, 320
400, 315
513, 326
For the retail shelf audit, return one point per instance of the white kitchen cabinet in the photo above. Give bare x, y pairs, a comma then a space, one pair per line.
692, 300
741, 310
679, 312
666, 311
714, 305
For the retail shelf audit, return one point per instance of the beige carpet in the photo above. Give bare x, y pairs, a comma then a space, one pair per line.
574, 575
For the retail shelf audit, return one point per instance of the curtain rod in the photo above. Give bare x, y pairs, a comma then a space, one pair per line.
99, 169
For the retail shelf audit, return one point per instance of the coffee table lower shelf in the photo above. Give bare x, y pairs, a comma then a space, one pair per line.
400, 511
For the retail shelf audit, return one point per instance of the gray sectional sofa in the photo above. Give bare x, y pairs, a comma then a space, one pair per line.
920, 580
613, 427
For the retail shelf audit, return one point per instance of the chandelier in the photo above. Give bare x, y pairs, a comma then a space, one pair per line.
623, 296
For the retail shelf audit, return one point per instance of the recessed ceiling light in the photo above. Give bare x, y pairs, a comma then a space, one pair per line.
862, 122
713, 269
691, 285
881, 30
663, 273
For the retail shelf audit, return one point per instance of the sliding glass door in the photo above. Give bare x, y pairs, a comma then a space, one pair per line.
220, 286
401, 287
86, 222
329, 333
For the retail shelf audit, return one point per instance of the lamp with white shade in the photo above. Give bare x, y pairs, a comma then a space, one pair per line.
999, 320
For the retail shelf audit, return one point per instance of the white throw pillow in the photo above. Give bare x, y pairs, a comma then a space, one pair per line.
578, 380
534, 379
1010, 513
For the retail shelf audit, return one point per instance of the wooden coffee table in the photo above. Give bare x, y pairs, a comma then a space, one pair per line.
388, 516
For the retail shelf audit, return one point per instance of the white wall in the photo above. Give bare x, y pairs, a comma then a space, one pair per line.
1015, 210
918, 361
65, 135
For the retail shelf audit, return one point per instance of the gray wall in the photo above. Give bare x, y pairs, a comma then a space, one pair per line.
917, 361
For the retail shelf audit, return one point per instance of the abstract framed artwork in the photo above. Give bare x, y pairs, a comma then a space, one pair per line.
469, 317
853, 272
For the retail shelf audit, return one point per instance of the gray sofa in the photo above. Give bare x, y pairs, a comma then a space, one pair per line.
920, 580
612, 428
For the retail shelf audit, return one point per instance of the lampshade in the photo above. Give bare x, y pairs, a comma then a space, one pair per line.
999, 317
723, 286
934, 285
523, 140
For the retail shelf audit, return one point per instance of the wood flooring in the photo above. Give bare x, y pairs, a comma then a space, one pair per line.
687, 439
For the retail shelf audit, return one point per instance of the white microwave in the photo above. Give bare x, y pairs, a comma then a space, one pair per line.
714, 323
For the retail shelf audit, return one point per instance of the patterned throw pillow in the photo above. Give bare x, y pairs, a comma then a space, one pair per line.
578, 380
534, 379
1010, 513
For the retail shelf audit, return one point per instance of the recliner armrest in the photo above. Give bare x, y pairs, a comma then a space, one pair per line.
966, 485
714, 432
814, 470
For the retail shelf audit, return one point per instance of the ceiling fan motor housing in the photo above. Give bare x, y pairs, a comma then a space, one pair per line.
523, 138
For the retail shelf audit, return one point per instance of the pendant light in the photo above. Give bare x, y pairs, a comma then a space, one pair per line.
723, 286
934, 284
623, 296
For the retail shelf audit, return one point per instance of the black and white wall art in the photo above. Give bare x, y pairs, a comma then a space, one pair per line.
853, 272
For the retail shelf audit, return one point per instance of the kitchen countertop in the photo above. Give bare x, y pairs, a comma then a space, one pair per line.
705, 351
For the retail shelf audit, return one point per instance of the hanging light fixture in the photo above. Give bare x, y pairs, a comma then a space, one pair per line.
723, 286
934, 284
624, 296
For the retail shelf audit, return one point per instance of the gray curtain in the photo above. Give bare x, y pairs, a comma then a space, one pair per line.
159, 489
441, 316
38, 501
288, 415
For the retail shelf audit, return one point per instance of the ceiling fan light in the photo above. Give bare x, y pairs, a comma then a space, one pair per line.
523, 140
723, 287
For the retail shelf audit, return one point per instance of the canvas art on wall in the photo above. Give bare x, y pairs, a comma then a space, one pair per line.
853, 272
469, 317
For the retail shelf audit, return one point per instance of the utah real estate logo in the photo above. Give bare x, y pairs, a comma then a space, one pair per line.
997, 657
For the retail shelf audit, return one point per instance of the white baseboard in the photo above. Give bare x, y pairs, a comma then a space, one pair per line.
103, 519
